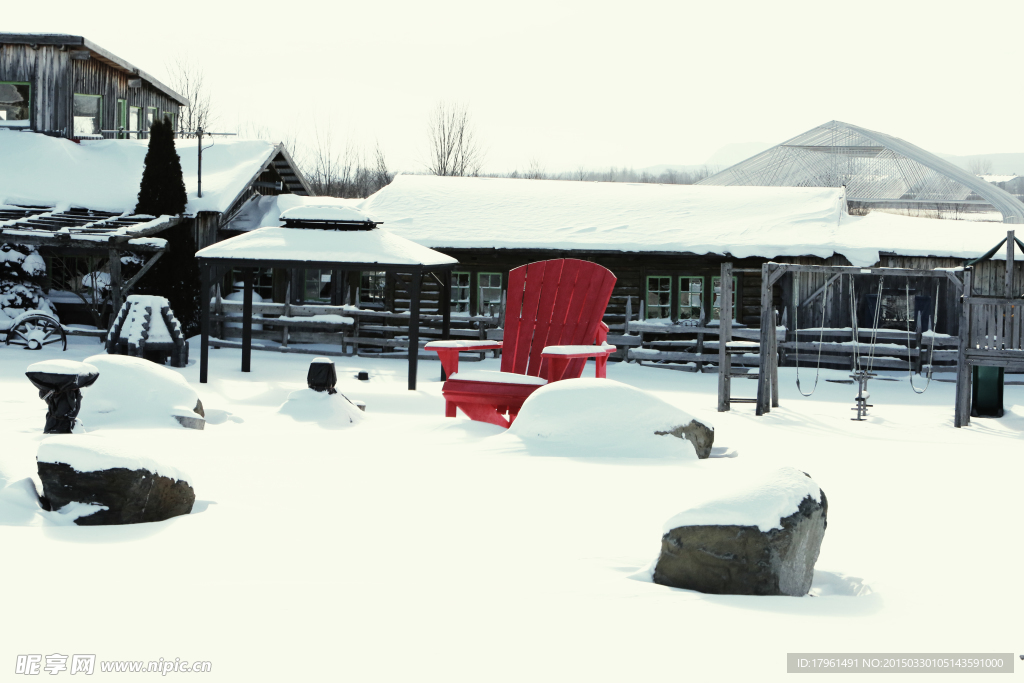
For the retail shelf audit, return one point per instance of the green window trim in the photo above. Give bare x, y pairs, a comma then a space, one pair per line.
489, 287
658, 297
122, 118
27, 107
173, 119
152, 113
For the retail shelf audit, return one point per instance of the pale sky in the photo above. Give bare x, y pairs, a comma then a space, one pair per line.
586, 84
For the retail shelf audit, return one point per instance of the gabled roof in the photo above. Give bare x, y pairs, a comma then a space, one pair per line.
874, 167
104, 175
95, 51
770, 222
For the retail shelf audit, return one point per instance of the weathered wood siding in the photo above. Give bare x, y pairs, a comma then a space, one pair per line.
55, 78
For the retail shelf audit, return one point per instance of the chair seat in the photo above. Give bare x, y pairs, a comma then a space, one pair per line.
497, 377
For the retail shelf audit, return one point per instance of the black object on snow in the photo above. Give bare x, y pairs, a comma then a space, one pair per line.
363, 375
321, 376
120, 341
63, 397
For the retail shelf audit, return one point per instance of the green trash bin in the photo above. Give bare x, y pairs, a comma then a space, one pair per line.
987, 392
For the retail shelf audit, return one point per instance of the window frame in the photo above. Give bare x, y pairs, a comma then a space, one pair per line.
122, 118
661, 306
717, 316
480, 294
99, 114
28, 107
456, 287
173, 117
155, 113
365, 278
702, 295
138, 123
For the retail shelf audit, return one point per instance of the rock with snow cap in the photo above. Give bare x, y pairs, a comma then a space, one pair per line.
762, 537
124, 489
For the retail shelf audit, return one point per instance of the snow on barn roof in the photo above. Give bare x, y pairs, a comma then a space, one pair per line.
265, 212
310, 245
769, 222
104, 175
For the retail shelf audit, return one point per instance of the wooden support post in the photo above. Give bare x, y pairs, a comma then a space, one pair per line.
1008, 292
962, 414
724, 337
446, 310
414, 327
764, 384
114, 264
287, 313
774, 358
204, 322
246, 319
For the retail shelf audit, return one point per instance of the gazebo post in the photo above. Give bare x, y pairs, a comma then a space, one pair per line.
414, 326
446, 309
247, 319
204, 322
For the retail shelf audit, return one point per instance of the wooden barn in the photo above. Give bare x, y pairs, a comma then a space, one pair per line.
69, 86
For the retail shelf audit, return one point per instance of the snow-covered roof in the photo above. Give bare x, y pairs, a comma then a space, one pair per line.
448, 212
265, 211
39, 170
323, 212
376, 246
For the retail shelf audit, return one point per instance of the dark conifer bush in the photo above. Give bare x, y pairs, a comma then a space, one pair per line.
162, 191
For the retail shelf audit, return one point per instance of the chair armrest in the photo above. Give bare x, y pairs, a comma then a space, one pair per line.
448, 351
577, 351
558, 358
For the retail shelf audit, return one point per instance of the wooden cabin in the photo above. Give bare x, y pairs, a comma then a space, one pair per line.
665, 244
70, 87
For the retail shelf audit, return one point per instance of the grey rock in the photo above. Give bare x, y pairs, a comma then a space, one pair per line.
131, 496
743, 560
189, 422
699, 434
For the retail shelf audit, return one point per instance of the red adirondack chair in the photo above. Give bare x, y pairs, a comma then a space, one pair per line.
552, 326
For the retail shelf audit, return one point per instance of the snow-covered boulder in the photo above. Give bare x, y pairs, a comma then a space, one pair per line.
760, 536
329, 411
86, 469
608, 417
134, 392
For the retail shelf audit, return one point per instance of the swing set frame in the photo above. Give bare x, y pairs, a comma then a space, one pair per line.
772, 273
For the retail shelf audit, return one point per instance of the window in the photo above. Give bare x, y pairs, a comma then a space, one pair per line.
691, 297
316, 285
262, 282
122, 122
134, 121
372, 288
489, 285
460, 293
173, 118
716, 305
151, 114
87, 110
15, 103
658, 304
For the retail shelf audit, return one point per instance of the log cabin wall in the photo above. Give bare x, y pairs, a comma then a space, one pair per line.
55, 78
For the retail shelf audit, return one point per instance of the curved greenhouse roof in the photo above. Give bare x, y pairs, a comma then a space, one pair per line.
875, 168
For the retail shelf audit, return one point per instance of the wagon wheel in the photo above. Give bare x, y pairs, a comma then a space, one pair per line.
36, 331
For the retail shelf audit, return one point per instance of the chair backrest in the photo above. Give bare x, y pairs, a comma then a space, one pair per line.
551, 303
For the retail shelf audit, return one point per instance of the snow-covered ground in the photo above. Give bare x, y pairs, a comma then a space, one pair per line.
411, 547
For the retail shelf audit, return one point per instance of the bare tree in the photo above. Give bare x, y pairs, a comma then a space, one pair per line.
454, 149
535, 171
188, 79
980, 166
381, 175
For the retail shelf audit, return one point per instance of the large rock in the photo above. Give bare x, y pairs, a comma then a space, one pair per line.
760, 538
605, 417
137, 393
87, 469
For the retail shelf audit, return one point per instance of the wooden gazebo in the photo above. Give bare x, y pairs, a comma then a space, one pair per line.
324, 237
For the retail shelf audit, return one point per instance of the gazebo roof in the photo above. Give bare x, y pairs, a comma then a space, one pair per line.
373, 248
